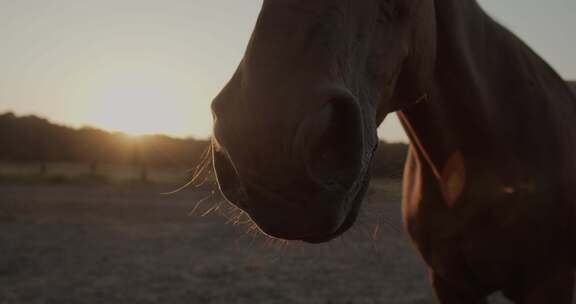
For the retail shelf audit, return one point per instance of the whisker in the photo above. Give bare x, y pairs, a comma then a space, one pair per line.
191, 213
233, 219
205, 162
375, 232
214, 208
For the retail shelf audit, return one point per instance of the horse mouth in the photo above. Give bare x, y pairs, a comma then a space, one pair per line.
281, 219
350, 217
314, 238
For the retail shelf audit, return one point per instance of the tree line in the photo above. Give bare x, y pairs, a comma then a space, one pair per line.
35, 139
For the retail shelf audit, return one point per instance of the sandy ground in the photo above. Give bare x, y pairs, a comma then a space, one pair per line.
120, 244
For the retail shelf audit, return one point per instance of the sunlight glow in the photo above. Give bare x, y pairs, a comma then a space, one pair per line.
136, 110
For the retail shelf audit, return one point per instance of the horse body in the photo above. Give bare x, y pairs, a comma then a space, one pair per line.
510, 116
488, 196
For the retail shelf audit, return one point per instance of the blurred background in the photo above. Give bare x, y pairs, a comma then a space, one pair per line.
104, 114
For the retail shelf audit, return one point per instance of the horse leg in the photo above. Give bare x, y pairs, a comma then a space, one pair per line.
448, 293
557, 288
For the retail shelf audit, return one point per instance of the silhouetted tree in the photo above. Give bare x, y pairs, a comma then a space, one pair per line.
33, 139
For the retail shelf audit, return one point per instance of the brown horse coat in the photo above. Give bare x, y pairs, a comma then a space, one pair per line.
489, 195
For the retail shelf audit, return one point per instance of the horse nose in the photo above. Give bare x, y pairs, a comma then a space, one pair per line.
331, 143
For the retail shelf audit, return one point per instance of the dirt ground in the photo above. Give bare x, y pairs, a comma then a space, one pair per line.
131, 244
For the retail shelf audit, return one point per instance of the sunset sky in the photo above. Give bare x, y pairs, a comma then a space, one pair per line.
142, 66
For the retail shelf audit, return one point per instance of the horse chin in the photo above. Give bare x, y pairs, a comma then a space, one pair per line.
350, 217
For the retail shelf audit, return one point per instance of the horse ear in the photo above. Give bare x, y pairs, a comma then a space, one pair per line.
415, 79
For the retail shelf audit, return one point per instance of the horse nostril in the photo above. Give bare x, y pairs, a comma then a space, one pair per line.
333, 149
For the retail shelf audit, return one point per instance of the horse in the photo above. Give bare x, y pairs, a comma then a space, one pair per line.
489, 189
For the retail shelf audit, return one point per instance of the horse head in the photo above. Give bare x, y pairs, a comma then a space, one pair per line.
295, 128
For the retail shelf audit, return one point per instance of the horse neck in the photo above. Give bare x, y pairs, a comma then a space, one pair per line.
490, 97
